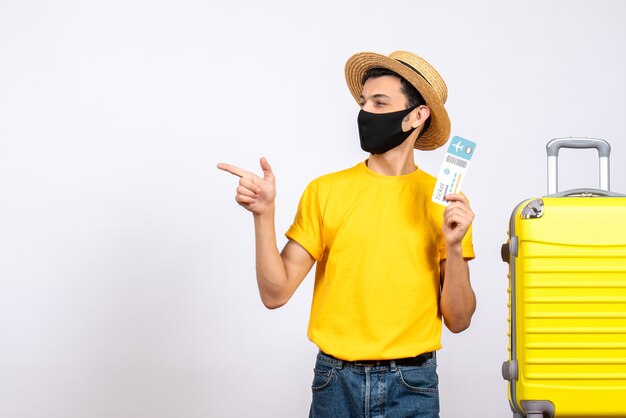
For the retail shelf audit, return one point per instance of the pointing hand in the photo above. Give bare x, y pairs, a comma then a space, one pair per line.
254, 193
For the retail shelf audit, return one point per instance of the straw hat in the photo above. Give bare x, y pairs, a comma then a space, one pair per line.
417, 72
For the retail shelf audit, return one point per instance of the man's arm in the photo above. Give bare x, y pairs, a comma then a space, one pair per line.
278, 274
458, 301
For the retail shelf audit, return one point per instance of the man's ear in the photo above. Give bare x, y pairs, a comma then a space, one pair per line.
419, 116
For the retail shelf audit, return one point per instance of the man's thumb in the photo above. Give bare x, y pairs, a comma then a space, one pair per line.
267, 169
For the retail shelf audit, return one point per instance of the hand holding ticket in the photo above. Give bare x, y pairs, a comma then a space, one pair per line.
453, 168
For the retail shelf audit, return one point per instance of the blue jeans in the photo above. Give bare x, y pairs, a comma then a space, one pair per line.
344, 390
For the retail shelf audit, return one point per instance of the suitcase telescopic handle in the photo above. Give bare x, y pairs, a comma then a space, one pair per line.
553, 147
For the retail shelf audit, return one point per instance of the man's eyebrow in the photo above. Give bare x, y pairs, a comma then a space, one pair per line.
375, 96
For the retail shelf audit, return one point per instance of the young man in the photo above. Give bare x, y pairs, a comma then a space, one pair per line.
390, 262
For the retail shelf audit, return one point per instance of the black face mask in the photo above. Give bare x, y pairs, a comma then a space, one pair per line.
380, 132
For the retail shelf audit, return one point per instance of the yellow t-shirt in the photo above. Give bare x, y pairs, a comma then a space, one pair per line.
378, 243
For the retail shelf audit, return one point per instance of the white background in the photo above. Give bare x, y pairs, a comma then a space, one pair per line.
127, 282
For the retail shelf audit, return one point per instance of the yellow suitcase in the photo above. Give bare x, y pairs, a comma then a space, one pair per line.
567, 298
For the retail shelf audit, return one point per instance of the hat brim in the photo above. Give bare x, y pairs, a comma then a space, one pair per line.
438, 132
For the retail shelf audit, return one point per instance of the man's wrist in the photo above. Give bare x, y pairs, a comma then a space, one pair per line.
267, 214
455, 249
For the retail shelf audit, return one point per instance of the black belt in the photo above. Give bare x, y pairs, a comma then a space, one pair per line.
401, 362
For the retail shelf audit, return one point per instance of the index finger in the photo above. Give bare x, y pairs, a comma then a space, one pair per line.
457, 197
233, 170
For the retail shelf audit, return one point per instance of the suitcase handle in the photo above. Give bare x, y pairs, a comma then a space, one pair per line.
553, 147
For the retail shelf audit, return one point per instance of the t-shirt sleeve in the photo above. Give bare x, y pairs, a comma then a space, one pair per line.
306, 229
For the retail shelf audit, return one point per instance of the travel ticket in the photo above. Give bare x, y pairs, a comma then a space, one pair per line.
453, 168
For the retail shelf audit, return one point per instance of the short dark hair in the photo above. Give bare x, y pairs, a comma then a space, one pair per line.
413, 97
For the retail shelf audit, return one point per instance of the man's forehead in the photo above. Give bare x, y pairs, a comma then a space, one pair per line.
382, 86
